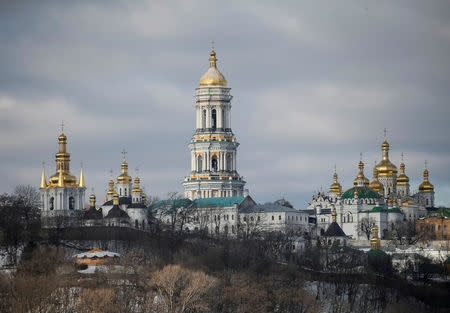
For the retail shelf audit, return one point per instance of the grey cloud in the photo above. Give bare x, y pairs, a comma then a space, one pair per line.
314, 84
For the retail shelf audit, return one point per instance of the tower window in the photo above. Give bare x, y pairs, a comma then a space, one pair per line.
214, 119
214, 164
71, 203
204, 119
199, 163
52, 203
229, 162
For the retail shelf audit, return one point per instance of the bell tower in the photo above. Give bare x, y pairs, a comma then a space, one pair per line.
213, 146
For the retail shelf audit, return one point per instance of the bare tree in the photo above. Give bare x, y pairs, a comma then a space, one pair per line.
364, 226
28, 194
182, 290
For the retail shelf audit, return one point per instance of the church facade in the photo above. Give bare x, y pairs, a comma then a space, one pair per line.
62, 196
383, 201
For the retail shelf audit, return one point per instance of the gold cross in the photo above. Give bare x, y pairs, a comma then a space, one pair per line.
212, 44
62, 126
124, 153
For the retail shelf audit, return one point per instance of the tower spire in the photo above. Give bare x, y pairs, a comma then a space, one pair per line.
43, 180
81, 184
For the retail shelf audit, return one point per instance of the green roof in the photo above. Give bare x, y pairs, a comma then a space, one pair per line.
441, 212
377, 254
363, 193
379, 209
222, 202
172, 202
394, 210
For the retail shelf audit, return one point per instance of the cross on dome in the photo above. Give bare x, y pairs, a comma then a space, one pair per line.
124, 153
62, 126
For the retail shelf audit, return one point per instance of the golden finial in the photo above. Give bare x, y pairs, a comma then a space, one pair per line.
43, 179
116, 199
375, 243
334, 215
355, 193
92, 198
385, 133
81, 184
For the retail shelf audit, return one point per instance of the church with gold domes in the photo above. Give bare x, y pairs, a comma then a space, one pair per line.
62, 195
383, 201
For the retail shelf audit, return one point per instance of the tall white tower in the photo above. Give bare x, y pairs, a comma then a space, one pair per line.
213, 146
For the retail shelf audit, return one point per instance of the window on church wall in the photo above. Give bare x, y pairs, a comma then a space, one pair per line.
229, 162
214, 164
204, 119
214, 119
125, 192
52, 203
71, 203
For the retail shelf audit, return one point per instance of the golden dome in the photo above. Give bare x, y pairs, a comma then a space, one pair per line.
386, 168
375, 184
213, 77
111, 191
402, 179
426, 186
124, 178
62, 177
136, 188
361, 177
92, 200
336, 187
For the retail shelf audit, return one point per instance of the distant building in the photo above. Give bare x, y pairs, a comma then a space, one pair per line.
436, 225
384, 201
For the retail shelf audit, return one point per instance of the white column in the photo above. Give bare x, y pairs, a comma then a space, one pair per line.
198, 120
229, 117
234, 160
208, 118
219, 117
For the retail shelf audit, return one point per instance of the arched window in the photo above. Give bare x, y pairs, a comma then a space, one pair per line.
199, 163
125, 192
204, 119
52, 203
214, 164
214, 119
71, 203
136, 224
229, 162
426, 201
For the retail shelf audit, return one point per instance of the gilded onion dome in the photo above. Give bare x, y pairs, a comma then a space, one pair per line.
92, 200
361, 180
213, 77
124, 178
63, 177
336, 187
426, 186
402, 179
137, 188
386, 168
376, 184
111, 191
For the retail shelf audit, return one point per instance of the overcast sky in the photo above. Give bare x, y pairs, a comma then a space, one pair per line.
314, 84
